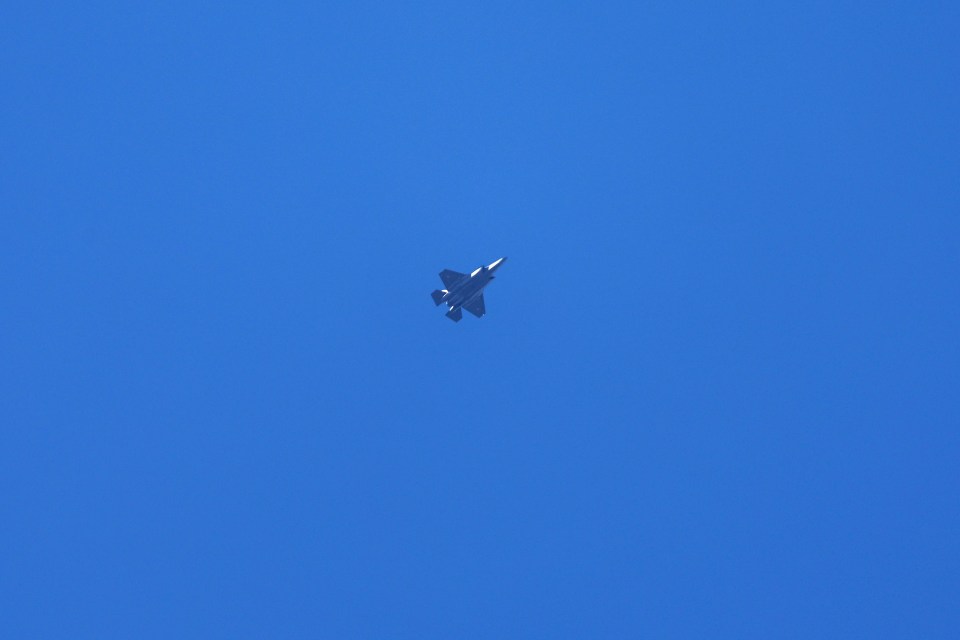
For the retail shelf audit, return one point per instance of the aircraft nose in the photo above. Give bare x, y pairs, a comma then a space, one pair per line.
496, 264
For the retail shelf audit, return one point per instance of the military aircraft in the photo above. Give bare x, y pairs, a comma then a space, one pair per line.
465, 291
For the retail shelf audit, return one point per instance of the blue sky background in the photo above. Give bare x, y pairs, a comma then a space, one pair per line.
715, 394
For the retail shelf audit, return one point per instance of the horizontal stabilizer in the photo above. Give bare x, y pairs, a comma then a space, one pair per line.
437, 296
455, 314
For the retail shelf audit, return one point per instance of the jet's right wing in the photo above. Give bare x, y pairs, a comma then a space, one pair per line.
476, 306
451, 278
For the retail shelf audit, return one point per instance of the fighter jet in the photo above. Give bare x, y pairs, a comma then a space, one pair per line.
465, 291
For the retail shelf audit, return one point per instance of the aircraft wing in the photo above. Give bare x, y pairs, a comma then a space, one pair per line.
476, 306
451, 278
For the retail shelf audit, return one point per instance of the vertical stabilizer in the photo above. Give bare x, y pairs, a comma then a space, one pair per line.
455, 314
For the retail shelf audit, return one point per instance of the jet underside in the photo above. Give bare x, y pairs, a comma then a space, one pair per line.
465, 291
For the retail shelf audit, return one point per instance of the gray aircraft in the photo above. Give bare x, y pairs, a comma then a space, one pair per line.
465, 291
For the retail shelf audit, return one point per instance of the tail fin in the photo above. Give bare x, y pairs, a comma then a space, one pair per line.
455, 314
438, 296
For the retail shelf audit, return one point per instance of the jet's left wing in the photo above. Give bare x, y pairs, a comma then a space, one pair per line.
476, 306
451, 278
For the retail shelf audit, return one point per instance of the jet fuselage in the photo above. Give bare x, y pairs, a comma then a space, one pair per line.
465, 290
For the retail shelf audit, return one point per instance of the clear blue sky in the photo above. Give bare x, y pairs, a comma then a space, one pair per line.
715, 394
